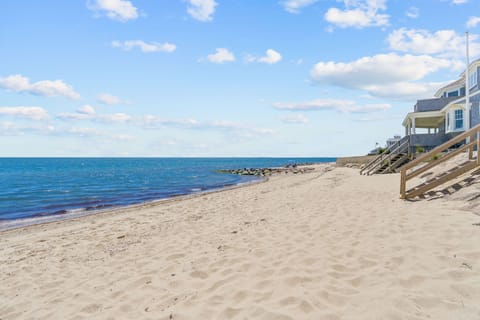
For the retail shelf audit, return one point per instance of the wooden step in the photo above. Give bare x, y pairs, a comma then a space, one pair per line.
400, 162
395, 162
372, 166
441, 179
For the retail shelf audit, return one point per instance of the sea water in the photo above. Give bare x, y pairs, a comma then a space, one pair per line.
39, 187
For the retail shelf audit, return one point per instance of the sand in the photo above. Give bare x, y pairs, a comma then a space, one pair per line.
329, 244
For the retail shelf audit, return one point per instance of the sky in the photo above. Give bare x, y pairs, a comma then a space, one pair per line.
221, 78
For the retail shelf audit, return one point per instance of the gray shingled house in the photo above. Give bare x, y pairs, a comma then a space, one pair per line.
435, 121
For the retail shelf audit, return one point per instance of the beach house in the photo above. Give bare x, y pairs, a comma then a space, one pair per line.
434, 121
437, 120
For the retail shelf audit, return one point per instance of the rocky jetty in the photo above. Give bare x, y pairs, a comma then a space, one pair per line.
265, 172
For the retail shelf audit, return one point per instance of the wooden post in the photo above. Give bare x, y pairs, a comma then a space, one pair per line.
470, 150
403, 183
478, 147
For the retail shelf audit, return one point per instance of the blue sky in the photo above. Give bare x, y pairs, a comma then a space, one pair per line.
221, 77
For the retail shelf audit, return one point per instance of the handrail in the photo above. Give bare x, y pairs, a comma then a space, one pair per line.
389, 156
431, 156
386, 154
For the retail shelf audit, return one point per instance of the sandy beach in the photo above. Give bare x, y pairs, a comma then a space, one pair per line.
328, 244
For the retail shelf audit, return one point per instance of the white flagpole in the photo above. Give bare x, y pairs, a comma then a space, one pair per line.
467, 87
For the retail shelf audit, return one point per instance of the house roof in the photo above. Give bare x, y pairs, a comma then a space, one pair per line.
434, 104
435, 115
457, 83
471, 64
429, 119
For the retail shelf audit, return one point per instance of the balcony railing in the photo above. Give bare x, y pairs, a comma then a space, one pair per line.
428, 140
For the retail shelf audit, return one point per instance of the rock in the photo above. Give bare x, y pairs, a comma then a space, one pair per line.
263, 172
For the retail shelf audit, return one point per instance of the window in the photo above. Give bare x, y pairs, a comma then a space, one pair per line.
453, 94
448, 121
459, 119
472, 79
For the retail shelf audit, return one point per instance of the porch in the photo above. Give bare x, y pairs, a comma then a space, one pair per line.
425, 129
428, 141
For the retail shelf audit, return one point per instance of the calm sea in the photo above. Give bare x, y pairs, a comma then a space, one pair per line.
39, 187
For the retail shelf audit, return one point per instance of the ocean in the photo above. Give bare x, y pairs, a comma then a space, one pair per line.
49, 187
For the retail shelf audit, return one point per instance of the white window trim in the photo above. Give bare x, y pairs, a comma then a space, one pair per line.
457, 91
451, 121
473, 77
455, 120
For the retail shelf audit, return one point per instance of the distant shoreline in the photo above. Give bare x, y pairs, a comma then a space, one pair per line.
6, 225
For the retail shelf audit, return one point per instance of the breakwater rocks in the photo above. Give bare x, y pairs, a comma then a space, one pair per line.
265, 172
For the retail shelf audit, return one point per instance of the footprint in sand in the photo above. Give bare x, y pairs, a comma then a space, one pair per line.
199, 275
175, 256
91, 308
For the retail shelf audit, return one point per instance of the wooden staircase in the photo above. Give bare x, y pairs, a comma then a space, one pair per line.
468, 141
390, 160
395, 162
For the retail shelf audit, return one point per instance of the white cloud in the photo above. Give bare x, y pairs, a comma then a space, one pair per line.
47, 88
271, 57
16, 83
382, 73
115, 117
144, 46
413, 12
10, 128
14, 128
378, 69
107, 98
359, 14
473, 22
328, 104
459, 1
84, 132
33, 113
295, 118
346, 106
120, 10
405, 90
202, 10
86, 109
154, 122
445, 43
369, 108
103, 118
221, 55
294, 6
92, 132
75, 116
228, 127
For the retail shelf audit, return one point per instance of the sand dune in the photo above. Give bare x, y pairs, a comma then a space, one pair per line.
329, 244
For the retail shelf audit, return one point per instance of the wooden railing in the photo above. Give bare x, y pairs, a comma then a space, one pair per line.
403, 145
438, 155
